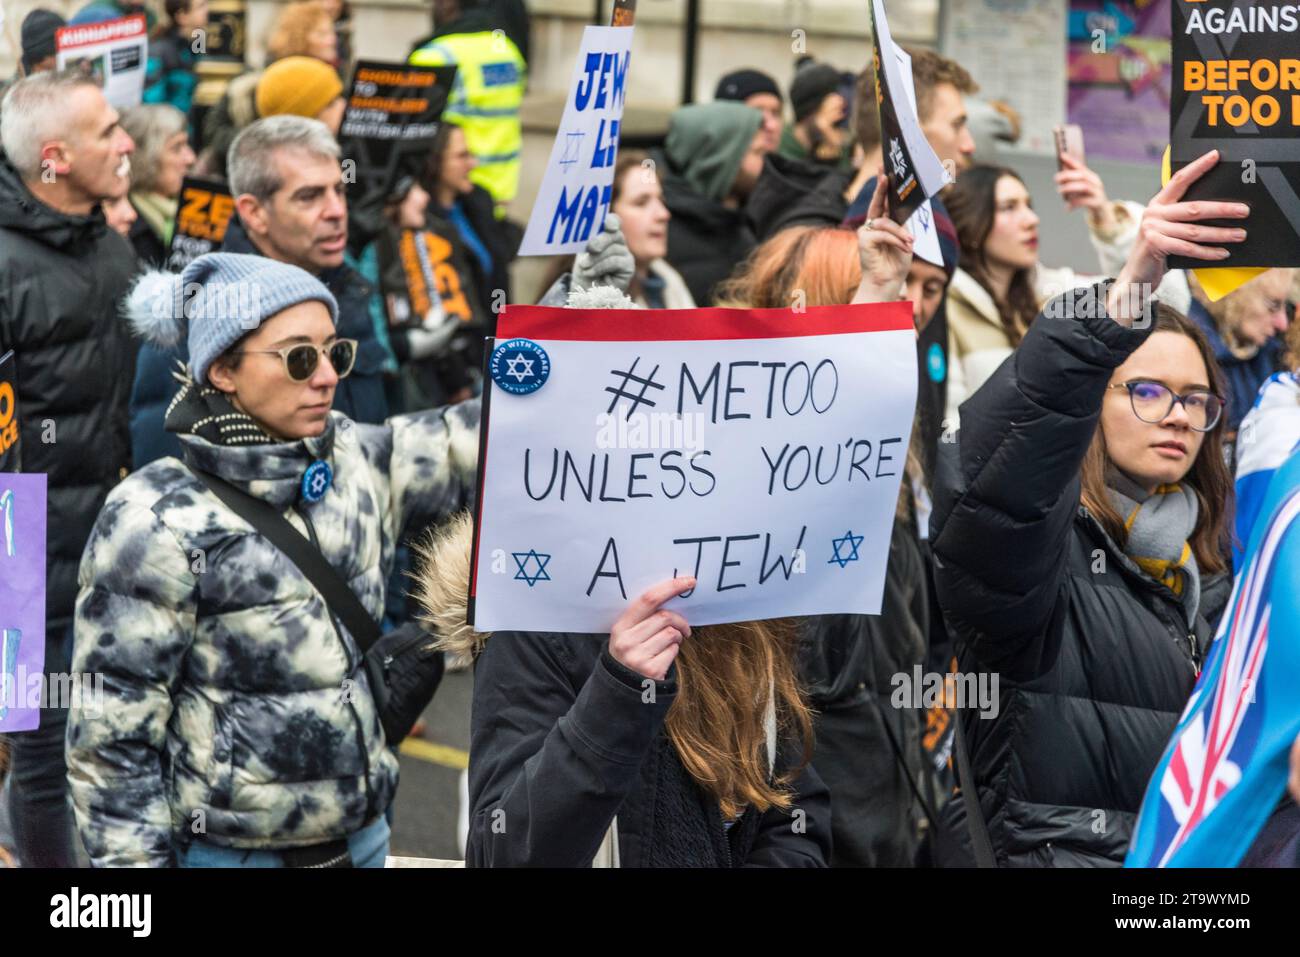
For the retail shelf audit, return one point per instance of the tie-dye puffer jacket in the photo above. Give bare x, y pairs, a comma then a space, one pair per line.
233, 710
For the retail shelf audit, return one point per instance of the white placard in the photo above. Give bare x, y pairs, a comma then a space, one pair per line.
921, 223
576, 188
116, 51
760, 451
928, 168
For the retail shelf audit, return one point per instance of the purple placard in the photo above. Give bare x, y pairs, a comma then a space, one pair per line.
1120, 77
22, 599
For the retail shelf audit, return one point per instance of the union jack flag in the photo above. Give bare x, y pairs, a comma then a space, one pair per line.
1226, 765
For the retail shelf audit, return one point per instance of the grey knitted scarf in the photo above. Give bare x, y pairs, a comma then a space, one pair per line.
1159, 526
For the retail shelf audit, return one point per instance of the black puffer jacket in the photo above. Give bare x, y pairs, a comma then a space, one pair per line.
563, 740
1095, 659
62, 278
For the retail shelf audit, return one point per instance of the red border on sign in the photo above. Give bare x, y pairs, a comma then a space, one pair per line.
670, 325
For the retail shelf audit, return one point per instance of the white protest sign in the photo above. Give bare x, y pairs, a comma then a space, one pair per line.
921, 224
758, 450
114, 51
578, 182
910, 160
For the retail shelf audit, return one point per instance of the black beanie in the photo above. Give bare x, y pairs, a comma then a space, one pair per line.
742, 84
38, 36
812, 84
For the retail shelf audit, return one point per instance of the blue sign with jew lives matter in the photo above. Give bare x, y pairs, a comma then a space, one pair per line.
760, 451
579, 178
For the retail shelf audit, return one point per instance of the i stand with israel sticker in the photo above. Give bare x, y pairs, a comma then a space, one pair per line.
316, 480
519, 366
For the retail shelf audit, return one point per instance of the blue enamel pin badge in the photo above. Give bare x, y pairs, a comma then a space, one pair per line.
316, 480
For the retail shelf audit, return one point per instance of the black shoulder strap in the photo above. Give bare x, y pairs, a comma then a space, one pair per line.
980, 843
930, 816
279, 532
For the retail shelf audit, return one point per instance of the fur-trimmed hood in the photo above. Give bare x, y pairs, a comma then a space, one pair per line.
442, 588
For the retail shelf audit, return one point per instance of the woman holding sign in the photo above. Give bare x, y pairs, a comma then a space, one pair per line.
653, 746
868, 749
1082, 555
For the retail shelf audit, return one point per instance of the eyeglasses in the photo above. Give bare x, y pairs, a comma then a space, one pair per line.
1153, 401
300, 361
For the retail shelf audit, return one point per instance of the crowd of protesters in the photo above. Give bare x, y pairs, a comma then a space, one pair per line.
1036, 446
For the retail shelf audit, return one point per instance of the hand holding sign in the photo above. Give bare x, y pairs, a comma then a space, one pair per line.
884, 250
606, 261
646, 637
1171, 227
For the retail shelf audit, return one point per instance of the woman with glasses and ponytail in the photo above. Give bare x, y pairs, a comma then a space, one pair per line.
1082, 552
238, 725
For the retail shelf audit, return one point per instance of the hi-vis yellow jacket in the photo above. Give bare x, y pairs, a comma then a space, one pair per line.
485, 99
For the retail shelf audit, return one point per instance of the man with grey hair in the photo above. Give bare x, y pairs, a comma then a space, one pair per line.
62, 275
291, 205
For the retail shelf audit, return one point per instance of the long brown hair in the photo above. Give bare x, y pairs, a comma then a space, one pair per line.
972, 204
725, 677
1208, 477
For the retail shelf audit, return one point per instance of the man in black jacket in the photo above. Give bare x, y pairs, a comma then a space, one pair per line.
62, 275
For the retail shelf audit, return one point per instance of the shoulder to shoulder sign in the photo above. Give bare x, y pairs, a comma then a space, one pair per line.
392, 118
760, 451
914, 171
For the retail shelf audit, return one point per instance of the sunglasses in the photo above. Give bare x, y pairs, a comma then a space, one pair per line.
1153, 402
300, 361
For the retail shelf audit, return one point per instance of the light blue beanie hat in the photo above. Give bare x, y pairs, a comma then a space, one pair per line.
216, 300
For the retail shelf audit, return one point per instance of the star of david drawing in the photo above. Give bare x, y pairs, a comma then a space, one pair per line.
572, 144
522, 559
512, 367
848, 541
318, 483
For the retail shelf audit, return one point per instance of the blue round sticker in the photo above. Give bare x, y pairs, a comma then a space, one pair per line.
936, 363
316, 480
519, 366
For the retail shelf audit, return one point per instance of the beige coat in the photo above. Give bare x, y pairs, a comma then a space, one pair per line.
977, 344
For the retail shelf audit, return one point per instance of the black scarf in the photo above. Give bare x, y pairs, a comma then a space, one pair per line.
208, 413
